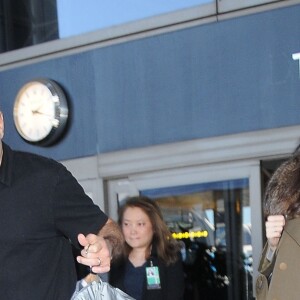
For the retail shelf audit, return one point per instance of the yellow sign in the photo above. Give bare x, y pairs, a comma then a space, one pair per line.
189, 235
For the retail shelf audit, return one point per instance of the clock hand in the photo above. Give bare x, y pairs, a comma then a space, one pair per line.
55, 122
38, 108
40, 113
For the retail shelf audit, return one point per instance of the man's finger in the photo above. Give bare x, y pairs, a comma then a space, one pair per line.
82, 240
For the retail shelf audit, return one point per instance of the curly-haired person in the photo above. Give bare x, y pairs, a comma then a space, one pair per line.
280, 261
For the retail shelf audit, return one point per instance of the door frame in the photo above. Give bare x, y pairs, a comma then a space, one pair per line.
131, 185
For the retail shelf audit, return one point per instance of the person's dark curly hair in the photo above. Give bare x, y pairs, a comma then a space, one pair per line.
282, 195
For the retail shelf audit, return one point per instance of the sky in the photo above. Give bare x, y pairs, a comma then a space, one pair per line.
75, 18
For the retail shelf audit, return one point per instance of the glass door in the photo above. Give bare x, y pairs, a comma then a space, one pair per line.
215, 213
213, 223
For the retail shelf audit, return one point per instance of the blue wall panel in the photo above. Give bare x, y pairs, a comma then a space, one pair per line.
221, 78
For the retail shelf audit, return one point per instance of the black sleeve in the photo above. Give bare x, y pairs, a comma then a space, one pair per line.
175, 281
74, 211
116, 273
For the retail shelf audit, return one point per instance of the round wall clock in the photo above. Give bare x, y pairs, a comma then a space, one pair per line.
41, 112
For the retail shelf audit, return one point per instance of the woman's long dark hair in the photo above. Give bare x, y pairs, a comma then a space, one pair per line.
167, 247
282, 195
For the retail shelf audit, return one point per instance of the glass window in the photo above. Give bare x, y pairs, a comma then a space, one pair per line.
26, 23
213, 223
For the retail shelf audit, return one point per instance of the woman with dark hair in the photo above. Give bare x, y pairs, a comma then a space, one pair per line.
151, 266
280, 260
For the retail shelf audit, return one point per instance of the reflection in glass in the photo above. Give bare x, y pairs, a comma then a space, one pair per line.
212, 221
27, 23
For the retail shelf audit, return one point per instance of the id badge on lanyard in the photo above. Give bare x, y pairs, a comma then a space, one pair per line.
153, 279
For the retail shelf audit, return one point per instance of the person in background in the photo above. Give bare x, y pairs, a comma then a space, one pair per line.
44, 211
151, 266
279, 264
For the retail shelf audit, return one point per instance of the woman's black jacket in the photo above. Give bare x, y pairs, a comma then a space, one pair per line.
171, 278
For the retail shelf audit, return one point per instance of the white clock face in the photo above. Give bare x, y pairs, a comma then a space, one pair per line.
34, 111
